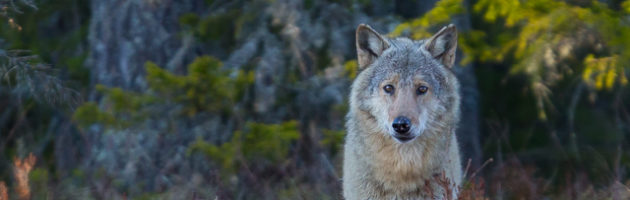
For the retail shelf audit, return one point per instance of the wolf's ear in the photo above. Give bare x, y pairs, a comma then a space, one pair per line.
443, 44
370, 45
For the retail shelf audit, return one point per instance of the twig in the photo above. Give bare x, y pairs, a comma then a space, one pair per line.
467, 167
482, 166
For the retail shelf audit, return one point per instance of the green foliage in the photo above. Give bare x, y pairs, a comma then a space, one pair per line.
260, 143
38, 179
214, 27
351, 68
603, 72
89, 113
189, 19
225, 154
626, 6
332, 139
550, 32
123, 109
206, 88
122, 100
538, 38
39, 175
440, 14
509, 9
269, 141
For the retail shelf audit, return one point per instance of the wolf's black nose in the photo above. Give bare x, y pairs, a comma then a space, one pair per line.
401, 125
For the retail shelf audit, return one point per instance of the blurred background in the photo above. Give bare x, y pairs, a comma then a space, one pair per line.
245, 99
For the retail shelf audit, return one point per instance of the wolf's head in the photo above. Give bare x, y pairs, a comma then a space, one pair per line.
406, 86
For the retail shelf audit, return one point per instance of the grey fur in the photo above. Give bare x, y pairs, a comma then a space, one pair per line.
378, 166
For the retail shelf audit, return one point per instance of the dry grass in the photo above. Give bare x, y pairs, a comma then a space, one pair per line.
473, 190
445, 184
469, 190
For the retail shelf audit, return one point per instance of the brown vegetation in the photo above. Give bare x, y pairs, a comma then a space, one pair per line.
4, 194
22, 167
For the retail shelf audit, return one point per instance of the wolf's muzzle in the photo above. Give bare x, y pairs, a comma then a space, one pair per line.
402, 125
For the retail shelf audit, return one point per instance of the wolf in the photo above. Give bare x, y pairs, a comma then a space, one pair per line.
404, 110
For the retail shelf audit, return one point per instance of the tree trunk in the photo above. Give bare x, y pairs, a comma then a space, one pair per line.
124, 34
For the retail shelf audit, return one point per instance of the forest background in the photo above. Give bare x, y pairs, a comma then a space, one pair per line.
245, 99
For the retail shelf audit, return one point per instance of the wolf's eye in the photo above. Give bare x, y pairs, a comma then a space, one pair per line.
422, 90
389, 89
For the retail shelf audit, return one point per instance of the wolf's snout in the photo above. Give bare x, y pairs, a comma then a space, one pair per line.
402, 125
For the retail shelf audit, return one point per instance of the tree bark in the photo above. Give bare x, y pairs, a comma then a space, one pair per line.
124, 34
